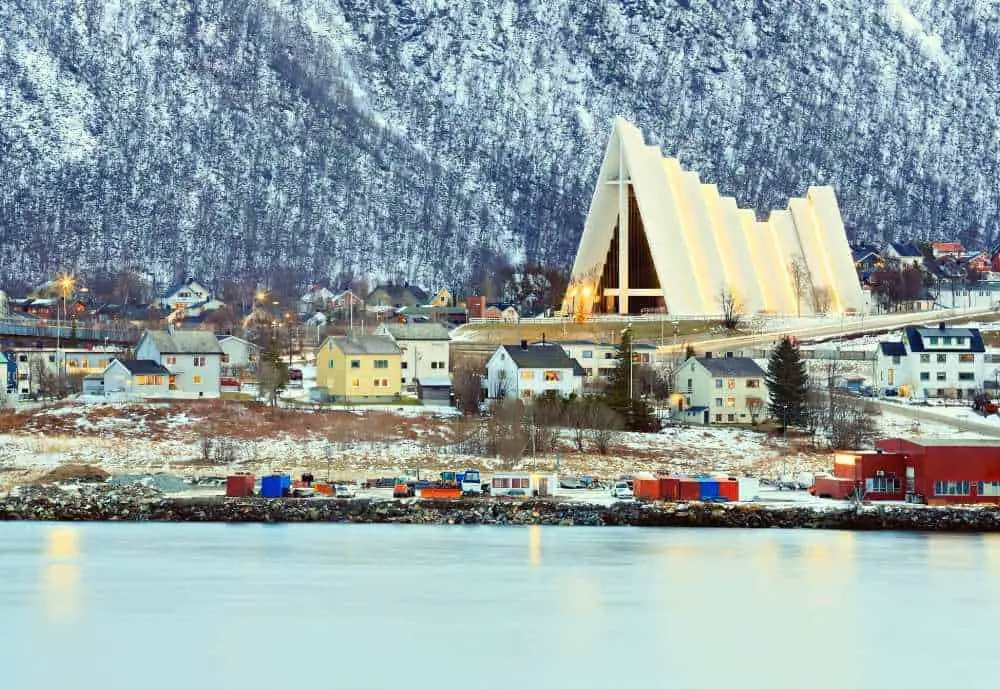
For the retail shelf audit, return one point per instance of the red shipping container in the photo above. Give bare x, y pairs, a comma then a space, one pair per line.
239, 485
689, 489
646, 489
833, 487
729, 489
670, 488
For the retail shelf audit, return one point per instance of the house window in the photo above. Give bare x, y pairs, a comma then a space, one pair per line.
753, 383
52, 358
718, 401
718, 383
403, 365
718, 418
942, 376
171, 360
731, 384
951, 488
881, 484
731, 418
895, 359
925, 358
730, 403
942, 358
989, 488
441, 365
932, 340
925, 375
689, 385
22, 357
199, 361
588, 354
329, 364
966, 358
966, 375
526, 393
947, 341
196, 380
960, 340
381, 363
552, 376
527, 374
356, 383
355, 363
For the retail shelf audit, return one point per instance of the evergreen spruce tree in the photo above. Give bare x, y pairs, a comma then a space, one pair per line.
636, 413
787, 383
273, 375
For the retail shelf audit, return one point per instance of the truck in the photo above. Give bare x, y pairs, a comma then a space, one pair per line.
469, 480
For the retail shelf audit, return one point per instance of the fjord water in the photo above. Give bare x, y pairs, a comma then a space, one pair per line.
206, 605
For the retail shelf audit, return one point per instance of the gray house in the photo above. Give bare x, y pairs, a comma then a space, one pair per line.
135, 378
193, 359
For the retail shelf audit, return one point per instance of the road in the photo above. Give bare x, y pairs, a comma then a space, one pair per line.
918, 413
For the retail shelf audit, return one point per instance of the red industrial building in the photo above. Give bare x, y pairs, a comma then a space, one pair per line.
937, 472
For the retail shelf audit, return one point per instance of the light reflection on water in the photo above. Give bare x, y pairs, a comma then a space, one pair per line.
244, 606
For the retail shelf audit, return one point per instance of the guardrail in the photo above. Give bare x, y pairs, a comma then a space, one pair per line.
22, 328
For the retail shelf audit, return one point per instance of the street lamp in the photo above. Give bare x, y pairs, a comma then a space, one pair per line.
65, 283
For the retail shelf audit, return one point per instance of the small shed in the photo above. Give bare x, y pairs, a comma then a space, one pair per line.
434, 390
93, 385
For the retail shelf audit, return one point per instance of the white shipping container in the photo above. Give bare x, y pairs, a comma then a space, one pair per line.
749, 489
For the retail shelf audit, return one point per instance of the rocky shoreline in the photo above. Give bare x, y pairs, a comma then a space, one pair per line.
137, 503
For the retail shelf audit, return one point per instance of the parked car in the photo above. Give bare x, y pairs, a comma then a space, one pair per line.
621, 491
570, 483
344, 491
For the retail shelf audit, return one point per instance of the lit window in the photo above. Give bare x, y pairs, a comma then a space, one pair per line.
731, 384
526, 393
966, 358
730, 403
356, 383
552, 376
527, 374
753, 383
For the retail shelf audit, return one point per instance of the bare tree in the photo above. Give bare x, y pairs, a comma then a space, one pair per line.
653, 382
467, 384
852, 423
577, 417
605, 427
822, 298
732, 309
798, 272
501, 386
505, 430
543, 418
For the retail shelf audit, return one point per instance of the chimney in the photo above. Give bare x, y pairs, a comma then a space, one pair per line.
524, 344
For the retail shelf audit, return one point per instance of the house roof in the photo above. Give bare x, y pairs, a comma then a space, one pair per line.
915, 338
734, 366
173, 289
549, 355
139, 367
365, 344
862, 254
906, 249
184, 342
434, 381
892, 348
223, 338
398, 292
416, 331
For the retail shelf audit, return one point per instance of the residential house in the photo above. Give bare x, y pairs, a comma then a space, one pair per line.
238, 354
359, 368
944, 362
953, 249
425, 350
317, 298
867, 262
136, 378
184, 294
995, 259
721, 390
527, 372
509, 314
904, 253
394, 297
343, 304
596, 359
456, 315
979, 262
8, 372
443, 298
192, 357
30, 365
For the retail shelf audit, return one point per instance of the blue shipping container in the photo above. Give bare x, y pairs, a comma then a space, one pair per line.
274, 486
708, 490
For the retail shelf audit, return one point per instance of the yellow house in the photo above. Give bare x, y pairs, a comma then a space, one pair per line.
362, 368
443, 298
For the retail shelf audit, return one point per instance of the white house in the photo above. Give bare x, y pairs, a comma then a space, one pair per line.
316, 299
904, 253
192, 357
932, 362
136, 378
183, 295
32, 363
596, 359
426, 350
238, 353
525, 372
721, 390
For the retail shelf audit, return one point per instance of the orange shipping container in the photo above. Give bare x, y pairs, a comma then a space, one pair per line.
670, 488
647, 489
689, 489
729, 489
833, 487
323, 488
440, 493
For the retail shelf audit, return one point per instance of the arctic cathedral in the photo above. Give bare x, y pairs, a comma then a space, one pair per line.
657, 238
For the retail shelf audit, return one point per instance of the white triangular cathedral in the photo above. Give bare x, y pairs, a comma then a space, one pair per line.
656, 237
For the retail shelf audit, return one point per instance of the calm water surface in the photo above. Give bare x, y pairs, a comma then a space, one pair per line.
182, 605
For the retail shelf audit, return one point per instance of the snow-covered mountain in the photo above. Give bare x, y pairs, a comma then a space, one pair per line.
417, 139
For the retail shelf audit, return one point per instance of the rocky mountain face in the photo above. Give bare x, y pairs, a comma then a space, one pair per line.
426, 140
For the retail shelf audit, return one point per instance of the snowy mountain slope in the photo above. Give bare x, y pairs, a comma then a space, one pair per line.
417, 138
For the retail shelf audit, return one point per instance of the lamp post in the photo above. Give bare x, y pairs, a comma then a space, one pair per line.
65, 283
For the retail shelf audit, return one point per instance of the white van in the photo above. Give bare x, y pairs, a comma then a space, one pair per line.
621, 491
